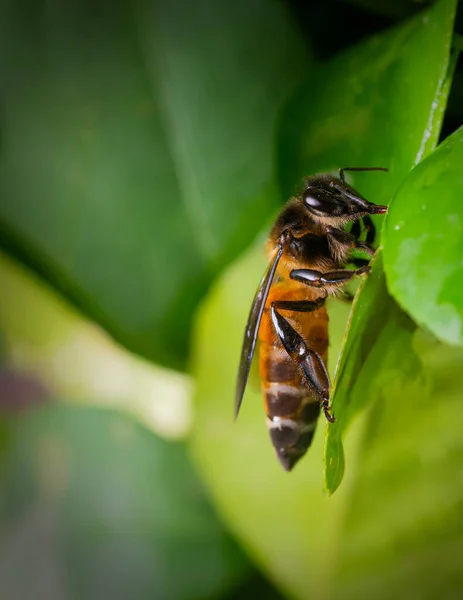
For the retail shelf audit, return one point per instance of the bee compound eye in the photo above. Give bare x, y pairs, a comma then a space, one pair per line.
284, 433
312, 199
321, 201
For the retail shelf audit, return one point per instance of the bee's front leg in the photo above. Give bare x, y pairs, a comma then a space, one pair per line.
356, 229
370, 229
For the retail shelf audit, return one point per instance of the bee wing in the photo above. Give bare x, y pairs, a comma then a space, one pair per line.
252, 328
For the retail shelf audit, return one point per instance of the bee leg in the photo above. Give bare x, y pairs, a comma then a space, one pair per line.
370, 229
300, 305
350, 240
360, 262
331, 278
365, 247
310, 362
356, 230
347, 296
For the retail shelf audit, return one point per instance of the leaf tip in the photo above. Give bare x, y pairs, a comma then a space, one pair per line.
334, 462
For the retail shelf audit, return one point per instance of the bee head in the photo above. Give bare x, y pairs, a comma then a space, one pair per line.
331, 200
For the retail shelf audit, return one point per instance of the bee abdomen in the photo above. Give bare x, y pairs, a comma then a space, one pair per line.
292, 411
292, 435
283, 399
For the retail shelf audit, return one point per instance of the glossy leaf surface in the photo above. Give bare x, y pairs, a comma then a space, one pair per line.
433, 30
423, 242
354, 111
136, 150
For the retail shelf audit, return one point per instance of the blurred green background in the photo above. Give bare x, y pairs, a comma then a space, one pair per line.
145, 148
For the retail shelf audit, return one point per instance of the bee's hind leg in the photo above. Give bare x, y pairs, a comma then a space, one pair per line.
310, 362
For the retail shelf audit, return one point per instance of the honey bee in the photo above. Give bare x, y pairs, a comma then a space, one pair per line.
309, 248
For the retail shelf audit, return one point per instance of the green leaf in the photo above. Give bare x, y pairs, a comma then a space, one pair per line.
364, 109
136, 150
95, 506
403, 532
369, 313
423, 242
432, 34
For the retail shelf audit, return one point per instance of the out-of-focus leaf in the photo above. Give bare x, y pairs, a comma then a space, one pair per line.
403, 532
20, 391
423, 242
94, 506
396, 9
420, 115
136, 150
76, 360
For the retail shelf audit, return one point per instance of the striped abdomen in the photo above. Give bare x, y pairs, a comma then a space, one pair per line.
292, 409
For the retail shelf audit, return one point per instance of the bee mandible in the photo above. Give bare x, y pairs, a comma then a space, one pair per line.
309, 248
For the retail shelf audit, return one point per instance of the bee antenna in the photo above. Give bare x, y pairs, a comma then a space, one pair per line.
341, 171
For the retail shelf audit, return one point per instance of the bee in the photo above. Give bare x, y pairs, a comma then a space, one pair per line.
309, 248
